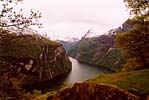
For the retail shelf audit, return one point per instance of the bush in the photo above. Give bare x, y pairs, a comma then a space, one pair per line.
132, 64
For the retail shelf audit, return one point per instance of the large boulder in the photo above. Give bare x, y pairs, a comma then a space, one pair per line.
90, 91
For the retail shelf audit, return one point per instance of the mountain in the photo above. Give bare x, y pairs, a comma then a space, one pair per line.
100, 50
33, 55
68, 44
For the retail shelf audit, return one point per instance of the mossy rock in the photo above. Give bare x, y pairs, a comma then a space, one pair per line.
92, 91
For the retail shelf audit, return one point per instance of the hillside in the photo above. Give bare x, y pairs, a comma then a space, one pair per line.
73, 50
112, 58
33, 55
100, 50
135, 81
116, 86
68, 44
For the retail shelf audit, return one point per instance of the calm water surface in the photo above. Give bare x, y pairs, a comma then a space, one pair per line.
79, 73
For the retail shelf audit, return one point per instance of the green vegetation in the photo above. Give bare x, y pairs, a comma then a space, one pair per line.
16, 49
28, 46
99, 51
135, 41
88, 48
73, 50
113, 59
68, 44
50, 59
105, 86
11, 84
135, 80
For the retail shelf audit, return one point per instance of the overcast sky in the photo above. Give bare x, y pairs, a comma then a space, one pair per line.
72, 18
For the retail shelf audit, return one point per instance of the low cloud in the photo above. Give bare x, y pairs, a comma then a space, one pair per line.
72, 16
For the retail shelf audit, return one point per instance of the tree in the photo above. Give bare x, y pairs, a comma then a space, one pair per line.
11, 80
10, 17
139, 10
135, 42
137, 7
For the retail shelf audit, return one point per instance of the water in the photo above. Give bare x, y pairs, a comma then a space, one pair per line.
80, 72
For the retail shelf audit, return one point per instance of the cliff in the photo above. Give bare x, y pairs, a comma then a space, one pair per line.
35, 56
101, 50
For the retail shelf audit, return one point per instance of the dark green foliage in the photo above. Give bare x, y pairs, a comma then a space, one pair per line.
10, 82
113, 59
135, 41
137, 7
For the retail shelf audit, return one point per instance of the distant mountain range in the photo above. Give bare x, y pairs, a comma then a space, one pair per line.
100, 50
69, 43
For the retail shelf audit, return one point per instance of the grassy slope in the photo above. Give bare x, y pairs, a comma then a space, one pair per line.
113, 60
135, 80
28, 46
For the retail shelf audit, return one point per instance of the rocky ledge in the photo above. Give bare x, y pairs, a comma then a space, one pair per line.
34, 56
91, 91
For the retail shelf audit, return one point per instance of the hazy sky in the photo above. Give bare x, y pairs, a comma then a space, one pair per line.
72, 18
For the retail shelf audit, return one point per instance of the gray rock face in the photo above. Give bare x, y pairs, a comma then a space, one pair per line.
101, 50
54, 62
37, 57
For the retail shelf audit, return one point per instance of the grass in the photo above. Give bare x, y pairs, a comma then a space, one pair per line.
135, 80
29, 46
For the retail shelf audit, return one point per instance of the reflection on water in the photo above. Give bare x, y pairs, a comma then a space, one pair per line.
79, 73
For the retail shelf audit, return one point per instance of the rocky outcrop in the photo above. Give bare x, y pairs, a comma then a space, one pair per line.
53, 61
35, 56
90, 91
